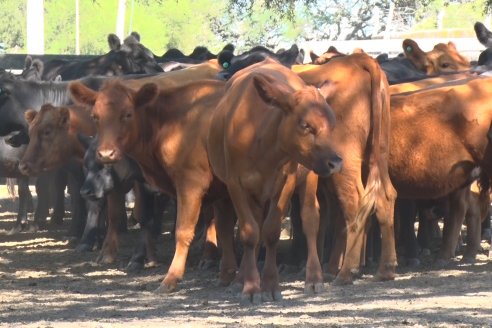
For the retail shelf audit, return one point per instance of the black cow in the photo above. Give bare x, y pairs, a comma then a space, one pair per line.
484, 36
232, 63
127, 58
113, 182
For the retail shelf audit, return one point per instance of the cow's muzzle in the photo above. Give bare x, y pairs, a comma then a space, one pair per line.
327, 166
107, 156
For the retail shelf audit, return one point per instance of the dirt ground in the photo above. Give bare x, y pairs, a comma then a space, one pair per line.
45, 283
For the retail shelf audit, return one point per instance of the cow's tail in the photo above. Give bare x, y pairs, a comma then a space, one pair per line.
484, 194
379, 116
11, 182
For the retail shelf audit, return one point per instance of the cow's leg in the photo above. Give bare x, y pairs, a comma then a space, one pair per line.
226, 220
79, 211
310, 223
349, 189
407, 212
339, 233
452, 225
298, 246
189, 202
249, 234
43, 203
151, 208
270, 232
473, 229
23, 188
116, 209
210, 250
385, 206
95, 212
58, 195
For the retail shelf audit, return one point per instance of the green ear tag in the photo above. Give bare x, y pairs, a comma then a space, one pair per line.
226, 65
409, 49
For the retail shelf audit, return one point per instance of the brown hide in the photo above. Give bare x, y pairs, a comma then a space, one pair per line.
53, 137
443, 58
268, 121
360, 100
443, 134
165, 132
443, 80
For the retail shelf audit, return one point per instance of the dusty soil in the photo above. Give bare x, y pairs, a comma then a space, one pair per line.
45, 283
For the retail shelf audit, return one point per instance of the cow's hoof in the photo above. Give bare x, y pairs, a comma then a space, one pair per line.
268, 296
311, 288
15, 230
226, 277
487, 234
384, 276
413, 262
250, 299
235, 288
329, 277
56, 221
425, 252
470, 259
106, 259
342, 281
206, 264
134, 267
83, 248
440, 263
152, 264
165, 288
33, 228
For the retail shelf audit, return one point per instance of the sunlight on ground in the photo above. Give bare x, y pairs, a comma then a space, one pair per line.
36, 242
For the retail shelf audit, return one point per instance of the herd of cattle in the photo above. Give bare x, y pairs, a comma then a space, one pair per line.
234, 138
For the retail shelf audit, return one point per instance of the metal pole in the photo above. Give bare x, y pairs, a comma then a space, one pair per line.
120, 19
35, 27
77, 28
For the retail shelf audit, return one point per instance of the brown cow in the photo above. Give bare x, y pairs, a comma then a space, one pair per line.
443, 58
359, 97
443, 132
53, 137
268, 121
165, 132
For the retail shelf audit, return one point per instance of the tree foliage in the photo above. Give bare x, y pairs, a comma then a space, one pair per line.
213, 23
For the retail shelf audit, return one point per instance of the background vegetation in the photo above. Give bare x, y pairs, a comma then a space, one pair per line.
186, 23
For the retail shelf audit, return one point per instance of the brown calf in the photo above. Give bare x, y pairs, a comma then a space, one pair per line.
443, 58
359, 97
268, 121
165, 132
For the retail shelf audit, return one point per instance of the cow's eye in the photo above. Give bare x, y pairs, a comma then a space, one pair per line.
305, 127
127, 116
46, 133
445, 65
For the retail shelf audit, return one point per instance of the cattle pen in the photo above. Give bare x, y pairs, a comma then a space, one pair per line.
46, 283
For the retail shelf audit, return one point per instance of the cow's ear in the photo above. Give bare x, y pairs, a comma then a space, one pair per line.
277, 94
452, 46
29, 115
327, 89
146, 94
313, 56
415, 55
64, 120
27, 62
82, 94
114, 42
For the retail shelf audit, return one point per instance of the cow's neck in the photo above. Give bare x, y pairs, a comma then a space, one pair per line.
55, 93
271, 157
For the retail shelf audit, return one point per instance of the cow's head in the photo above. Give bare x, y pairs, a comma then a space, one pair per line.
114, 109
48, 135
137, 58
306, 126
14, 100
98, 177
443, 58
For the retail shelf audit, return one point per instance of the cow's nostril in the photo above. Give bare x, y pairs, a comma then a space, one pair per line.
106, 155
